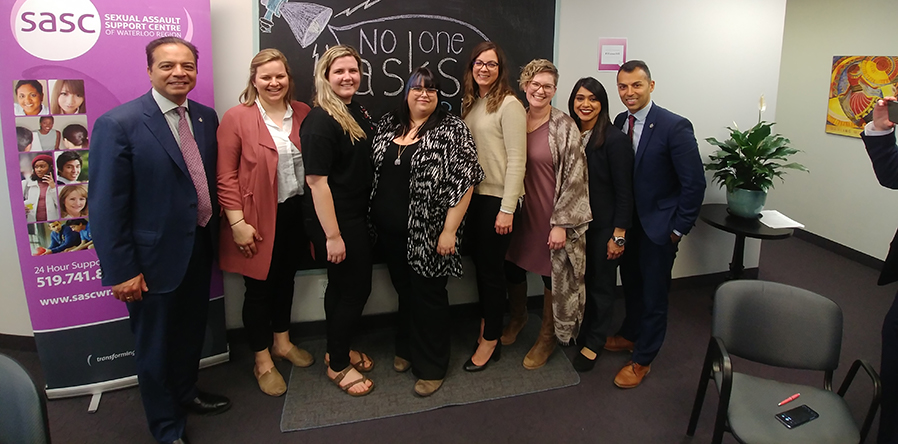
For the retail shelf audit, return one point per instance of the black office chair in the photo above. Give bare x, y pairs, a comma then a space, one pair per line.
787, 327
23, 409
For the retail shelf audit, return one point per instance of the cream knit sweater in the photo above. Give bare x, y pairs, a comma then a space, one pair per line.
501, 139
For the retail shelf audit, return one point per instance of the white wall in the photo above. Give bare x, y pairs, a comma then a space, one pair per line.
840, 199
710, 59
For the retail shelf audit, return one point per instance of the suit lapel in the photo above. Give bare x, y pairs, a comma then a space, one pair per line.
267, 142
647, 129
158, 126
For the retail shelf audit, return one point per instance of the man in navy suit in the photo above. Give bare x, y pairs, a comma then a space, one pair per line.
879, 139
154, 214
668, 188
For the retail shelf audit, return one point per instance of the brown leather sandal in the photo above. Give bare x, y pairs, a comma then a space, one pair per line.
359, 365
340, 376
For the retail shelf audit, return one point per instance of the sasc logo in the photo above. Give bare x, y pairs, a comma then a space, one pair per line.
55, 29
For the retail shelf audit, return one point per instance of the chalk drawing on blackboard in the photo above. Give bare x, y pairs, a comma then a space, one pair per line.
366, 4
308, 20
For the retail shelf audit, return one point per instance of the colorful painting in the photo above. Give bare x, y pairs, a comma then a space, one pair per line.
856, 84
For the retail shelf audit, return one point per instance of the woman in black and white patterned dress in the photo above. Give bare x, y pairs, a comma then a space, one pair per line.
425, 168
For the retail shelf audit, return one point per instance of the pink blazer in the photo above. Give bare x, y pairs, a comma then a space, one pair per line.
247, 180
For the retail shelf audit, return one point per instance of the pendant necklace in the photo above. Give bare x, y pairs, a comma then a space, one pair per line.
400, 150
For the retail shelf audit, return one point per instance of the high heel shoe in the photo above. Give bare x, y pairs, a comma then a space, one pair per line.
470, 366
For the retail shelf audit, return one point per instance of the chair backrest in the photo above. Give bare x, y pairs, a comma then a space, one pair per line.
23, 410
777, 324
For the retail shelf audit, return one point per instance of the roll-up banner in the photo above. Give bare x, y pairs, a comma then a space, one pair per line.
64, 64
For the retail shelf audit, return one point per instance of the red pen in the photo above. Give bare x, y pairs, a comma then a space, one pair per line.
789, 399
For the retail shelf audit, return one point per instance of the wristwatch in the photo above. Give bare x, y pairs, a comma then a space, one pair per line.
619, 240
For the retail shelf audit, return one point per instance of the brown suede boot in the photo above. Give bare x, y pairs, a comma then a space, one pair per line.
545, 343
517, 306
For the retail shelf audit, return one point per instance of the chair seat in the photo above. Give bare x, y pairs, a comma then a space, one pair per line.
753, 404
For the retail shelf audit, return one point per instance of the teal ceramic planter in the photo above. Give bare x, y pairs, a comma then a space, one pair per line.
746, 203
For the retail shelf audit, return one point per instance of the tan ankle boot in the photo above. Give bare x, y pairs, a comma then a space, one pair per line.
545, 343
517, 306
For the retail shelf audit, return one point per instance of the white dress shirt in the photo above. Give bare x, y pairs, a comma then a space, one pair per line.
290, 171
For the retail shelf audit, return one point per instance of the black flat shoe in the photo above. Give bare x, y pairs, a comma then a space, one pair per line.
207, 404
470, 366
583, 364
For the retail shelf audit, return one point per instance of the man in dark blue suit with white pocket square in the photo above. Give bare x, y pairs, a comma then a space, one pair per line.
154, 217
668, 189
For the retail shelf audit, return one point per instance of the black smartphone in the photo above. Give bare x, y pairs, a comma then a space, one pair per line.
795, 417
893, 112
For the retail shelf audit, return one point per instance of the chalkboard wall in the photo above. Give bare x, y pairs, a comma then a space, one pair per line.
396, 36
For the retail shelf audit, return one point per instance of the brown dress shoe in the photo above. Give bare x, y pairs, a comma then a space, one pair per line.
427, 387
618, 344
297, 356
631, 375
272, 383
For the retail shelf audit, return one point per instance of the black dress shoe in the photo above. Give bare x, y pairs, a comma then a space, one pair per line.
207, 404
470, 366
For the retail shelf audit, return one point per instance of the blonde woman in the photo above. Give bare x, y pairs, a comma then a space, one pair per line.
549, 238
336, 139
497, 121
73, 201
260, 187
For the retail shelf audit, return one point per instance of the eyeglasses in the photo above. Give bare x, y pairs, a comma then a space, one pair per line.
478, 64
548, 88
422, 90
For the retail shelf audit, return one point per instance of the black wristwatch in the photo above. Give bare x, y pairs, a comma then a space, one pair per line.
619, 240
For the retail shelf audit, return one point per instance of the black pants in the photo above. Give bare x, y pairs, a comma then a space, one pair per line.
169, 329
422, 336
601, 280
268, 304
645, 273
888, 372
517, 275
348, 286
488, 250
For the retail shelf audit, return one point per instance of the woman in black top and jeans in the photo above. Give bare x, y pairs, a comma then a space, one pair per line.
425, 168
336, 140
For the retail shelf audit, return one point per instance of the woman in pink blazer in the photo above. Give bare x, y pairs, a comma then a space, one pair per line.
260, 183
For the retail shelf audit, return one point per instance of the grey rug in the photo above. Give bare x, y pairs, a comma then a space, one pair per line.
312, 401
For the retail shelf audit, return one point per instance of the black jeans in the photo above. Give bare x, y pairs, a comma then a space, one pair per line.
348, 286
268, 304
422, 336
487, 249
601, 280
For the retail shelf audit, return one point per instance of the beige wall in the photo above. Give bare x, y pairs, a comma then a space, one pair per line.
840, 199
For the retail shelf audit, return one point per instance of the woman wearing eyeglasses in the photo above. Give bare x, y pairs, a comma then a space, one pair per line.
425, 169
549, 235
498, 123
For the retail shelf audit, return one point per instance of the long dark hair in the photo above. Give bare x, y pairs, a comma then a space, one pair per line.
603, 120
423, 77
499, 89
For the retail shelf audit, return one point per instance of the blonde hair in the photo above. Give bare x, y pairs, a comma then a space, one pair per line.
536, 66
71, 189
327, 99
249, 94
498, 90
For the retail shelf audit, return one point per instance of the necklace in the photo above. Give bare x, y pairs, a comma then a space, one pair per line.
400, 150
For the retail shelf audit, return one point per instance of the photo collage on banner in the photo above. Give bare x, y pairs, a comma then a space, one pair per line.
53, 145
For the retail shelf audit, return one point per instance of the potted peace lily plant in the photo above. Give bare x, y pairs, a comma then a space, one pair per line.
747, 162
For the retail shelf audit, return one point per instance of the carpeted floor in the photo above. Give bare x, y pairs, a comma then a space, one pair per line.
312, 401
594, 411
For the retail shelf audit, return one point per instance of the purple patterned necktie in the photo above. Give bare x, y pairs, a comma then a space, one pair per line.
194, 162
632, 121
